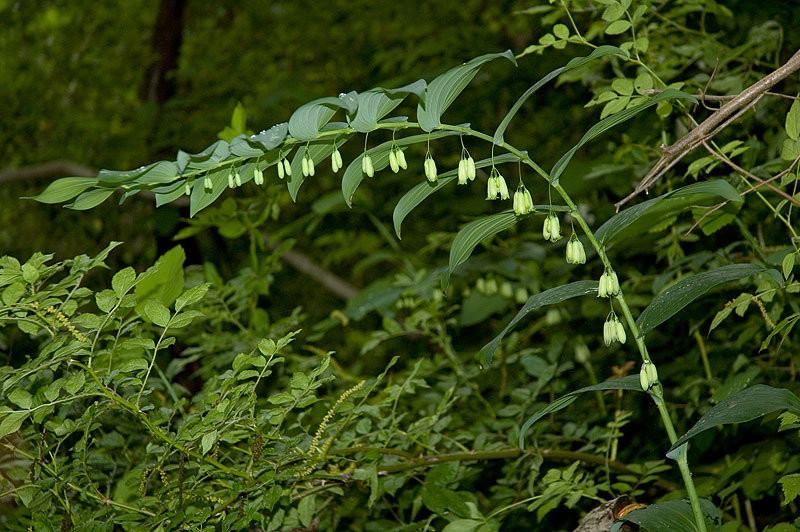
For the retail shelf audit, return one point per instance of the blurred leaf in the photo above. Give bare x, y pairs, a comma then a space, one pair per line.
672, 516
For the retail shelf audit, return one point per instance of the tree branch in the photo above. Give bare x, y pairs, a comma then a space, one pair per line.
711, 126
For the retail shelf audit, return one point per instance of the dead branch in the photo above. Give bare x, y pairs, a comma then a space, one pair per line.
712, 126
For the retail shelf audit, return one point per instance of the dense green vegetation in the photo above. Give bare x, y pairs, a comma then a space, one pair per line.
273, 356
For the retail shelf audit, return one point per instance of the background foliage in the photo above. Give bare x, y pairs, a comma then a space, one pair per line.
246, 408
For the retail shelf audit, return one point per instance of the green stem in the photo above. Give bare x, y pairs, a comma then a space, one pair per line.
130, 407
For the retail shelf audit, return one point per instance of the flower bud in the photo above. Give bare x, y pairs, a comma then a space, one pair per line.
311, 170
304, 164
582, 353
621, 336
393, 161
471, 168
480, 285
207, 184
491, 189
231, 184
335, 165
430, 169
491, 287
613, 287
521, 295
258, 176
281, 171
401, 159
644, 378
237, 178
463, 177
287, 167
602, 286
187, 188
608, 333
546, 228
652, 373
367, 164
506, 291
502, 188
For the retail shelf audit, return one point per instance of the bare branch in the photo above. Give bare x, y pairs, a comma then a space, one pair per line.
712, 125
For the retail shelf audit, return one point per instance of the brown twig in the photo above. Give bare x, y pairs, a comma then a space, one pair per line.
718, 97
712, 125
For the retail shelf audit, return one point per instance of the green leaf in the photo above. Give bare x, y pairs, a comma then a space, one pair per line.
443, 90
617, 27
244, 146
156, 312
672, 516
192, 295
208, 158
576, 62
64, 189
11, 422
611, 121
688, 195
21, 398
790, 150
793, 121
536, 301
788, 264
306, 122
123, 281
353, 175
749, 404
791, 487
318, 151
208, 441
306, 509
462, 525
673, 299
182, 319
202, 197
272, 137
472, 234
421, 191
630, 383
373, 105
90, 199
165, 281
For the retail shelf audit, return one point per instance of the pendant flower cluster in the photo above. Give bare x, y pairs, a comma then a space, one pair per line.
496, 186
551, 230
613, 330
575, 252
648, 375
466, 168
523, 202
609, 284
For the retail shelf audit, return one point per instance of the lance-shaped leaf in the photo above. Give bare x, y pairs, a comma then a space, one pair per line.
747, 405
673, 299
576, 62
64, 189
353, 175
376, 103
672, 516
611, 121
272, 137
202, 197
305, 123
244, 146
630, 383
421, 191
472, 234
90, 199
208, 158
318, 151
119, 177
536, 301
443, 90
690, 194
